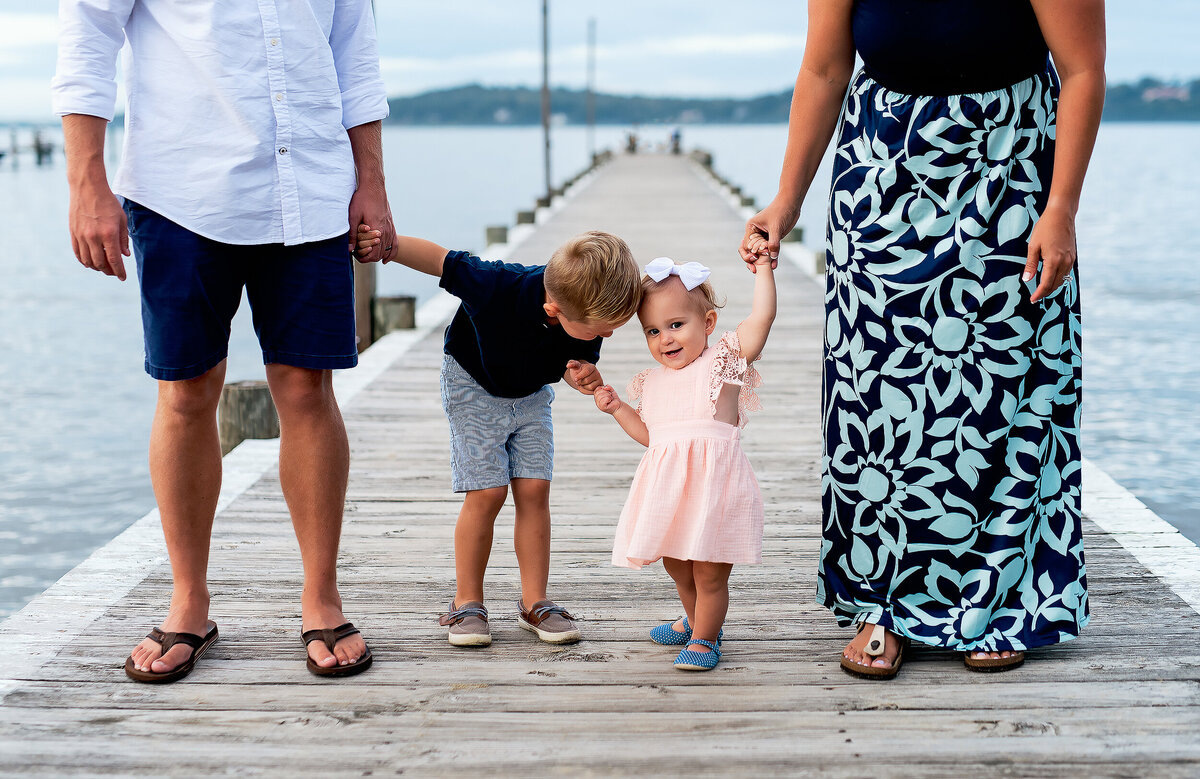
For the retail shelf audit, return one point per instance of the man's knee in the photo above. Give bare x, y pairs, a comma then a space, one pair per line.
300, 389
193, 398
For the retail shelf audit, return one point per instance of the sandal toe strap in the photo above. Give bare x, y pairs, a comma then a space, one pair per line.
330, 636
877, 641
167, 640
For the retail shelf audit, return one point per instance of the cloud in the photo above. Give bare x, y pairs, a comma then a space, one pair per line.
26, 30
27, 99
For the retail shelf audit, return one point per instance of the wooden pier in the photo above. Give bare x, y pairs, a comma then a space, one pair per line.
1123, 700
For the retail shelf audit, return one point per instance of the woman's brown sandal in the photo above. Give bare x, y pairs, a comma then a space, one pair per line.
330, 637
994, 664
874, 648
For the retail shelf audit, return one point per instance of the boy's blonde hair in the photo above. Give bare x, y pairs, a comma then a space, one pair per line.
703, 297
593, 278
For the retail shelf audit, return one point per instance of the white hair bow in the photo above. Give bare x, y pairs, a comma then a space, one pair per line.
692, 274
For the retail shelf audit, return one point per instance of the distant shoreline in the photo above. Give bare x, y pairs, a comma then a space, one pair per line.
475, 105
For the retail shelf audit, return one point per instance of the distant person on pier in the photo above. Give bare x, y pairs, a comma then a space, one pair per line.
951, 483
252, 143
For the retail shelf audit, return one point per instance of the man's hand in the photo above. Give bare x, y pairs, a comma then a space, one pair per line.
606, 399
583, 376
99, 233
369, 206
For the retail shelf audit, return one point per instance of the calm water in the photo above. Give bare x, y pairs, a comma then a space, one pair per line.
76, 407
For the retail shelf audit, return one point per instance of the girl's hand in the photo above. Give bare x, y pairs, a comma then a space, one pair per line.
1052, 242
768, 227
366, 240
607, 399
757, 245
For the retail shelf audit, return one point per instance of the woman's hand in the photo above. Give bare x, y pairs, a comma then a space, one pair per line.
769, 225
1052, 243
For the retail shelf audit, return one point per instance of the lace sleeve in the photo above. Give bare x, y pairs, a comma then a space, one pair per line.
635, 389
730, 367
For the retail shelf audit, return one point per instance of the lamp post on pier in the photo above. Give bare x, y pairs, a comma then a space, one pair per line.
546, 92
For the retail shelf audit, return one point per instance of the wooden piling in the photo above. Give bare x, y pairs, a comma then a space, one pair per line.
245, 410
496, 234
397, 312
364, 296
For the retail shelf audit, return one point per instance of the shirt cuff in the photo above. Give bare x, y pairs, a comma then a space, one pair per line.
364, 104
83, 95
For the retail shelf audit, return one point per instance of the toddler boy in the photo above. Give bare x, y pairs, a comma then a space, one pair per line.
518, 330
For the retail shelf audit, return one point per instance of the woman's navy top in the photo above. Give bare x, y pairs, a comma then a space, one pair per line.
948, 47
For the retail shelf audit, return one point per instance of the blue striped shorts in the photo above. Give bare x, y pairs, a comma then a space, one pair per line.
492, 439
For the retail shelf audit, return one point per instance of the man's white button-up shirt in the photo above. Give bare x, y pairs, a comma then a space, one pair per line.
236, 112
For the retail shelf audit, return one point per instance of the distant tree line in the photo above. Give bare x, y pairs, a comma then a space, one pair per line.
473, 104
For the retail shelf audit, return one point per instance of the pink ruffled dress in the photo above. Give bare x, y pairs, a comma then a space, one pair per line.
694, 496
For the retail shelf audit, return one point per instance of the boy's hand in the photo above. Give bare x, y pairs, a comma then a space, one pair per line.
366, 240
584, 376
606, 399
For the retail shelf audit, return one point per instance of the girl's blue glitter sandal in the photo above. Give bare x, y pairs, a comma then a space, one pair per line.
667, 635
699, 661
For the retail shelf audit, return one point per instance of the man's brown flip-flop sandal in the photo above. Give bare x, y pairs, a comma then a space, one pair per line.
199, 645
331, 636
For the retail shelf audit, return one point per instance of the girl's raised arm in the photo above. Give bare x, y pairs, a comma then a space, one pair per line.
753, 331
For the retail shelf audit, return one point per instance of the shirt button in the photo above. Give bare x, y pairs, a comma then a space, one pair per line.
278, 96
274, 41
283, 150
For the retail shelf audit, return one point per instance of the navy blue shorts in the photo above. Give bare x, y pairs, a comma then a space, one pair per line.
301, 298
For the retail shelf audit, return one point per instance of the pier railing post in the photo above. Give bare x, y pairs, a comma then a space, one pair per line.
496, 234
398, 312
364, 296
245, 410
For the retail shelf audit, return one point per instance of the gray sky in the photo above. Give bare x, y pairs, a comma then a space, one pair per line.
660, 47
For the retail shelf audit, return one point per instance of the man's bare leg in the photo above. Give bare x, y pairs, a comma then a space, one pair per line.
185, 469
314, 466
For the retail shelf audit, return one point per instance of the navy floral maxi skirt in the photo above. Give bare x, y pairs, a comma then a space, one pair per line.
951, 466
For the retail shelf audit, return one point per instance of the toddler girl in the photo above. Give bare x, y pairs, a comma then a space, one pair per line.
694, 500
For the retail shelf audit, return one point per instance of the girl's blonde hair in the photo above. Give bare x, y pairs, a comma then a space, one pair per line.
703, 297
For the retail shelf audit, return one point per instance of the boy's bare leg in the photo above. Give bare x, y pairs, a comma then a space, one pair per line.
712, 600
185, 469
681, 572
473, 541
531, 537
314, 465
